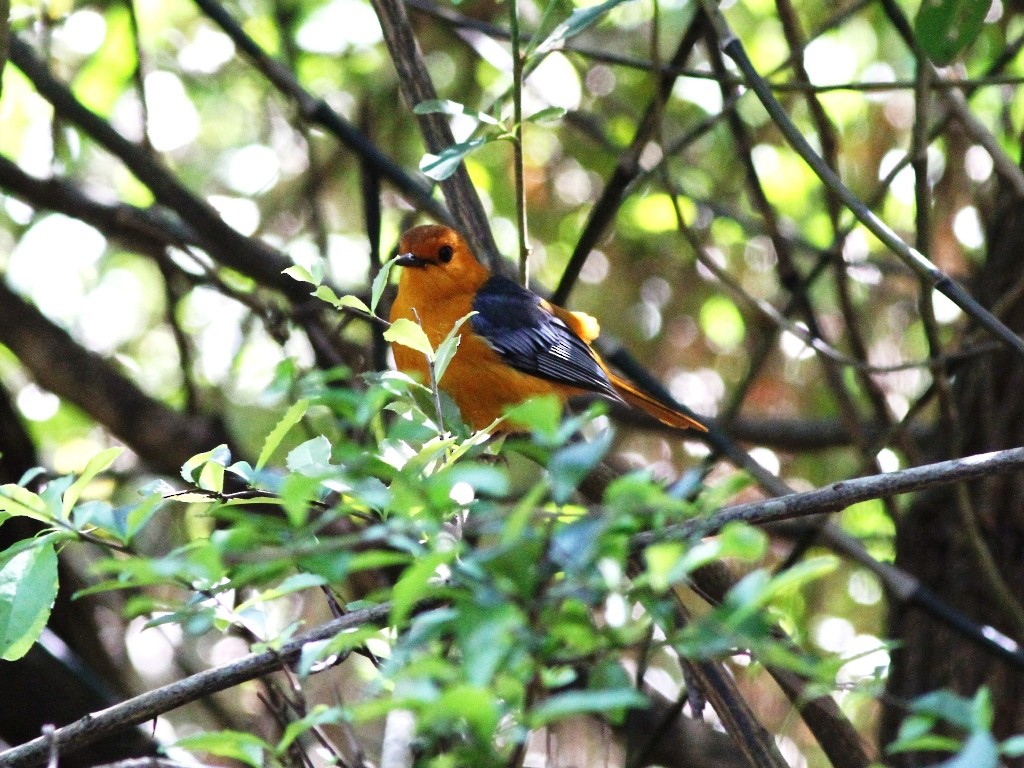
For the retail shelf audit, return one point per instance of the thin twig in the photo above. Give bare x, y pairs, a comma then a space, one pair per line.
913, 258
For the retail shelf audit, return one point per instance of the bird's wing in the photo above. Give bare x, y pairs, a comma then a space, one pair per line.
519, 326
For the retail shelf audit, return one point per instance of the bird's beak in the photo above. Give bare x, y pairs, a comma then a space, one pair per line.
410, 260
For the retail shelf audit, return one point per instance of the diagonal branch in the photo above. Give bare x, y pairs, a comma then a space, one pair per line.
154, 703
227, 245
417, 87
161, 436
319, 112
929, 273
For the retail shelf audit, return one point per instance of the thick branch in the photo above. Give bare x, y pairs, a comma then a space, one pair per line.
161, 436
154, 703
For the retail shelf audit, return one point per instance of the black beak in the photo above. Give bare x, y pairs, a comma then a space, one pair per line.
411, 260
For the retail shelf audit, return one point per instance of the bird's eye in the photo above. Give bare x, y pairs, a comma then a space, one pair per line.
445, 254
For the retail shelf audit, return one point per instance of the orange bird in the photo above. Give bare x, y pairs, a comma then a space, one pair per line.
516, 346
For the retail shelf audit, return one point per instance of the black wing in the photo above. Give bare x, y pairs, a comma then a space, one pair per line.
531, 339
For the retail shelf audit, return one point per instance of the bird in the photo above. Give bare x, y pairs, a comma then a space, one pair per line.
517, 345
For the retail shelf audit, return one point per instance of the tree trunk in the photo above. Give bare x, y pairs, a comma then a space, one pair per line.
931, 541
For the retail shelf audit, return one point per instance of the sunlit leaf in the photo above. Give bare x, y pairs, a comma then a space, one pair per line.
446, 107
380, 282
579, 20
291, 417
439, 167
312, 458
28, 588
409, 334
16, 501
446, 349
97, 464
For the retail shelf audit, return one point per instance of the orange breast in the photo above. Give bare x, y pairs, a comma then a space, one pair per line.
479, 382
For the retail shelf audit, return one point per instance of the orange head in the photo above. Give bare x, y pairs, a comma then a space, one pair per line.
438, 263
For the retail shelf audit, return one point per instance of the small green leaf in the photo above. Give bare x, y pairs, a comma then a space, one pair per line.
946, 27
236, 745
96, 464
414, 584
321, 714
1012, 747
439, 167
579, 20
291, 417
407, 333
220, 455
446, 107
575, 702
571, 464
446, 349
28, 587
294, 583
16, 501
380, 282
300, 273
547, 115
312, 458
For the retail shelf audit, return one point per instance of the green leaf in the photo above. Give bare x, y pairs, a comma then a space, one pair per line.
380, 282
294, 583
579, 20
440, 167
348, 301
954, 709
97, 464
16, 501
28, 587
446, 349
946, 27
321, 714
300, 273
571, 464
219, 455
576, 702
446, 107
291, 417
236, 745
979, 751
312, 458
1012, 747
414, 584
547, 115
409, 334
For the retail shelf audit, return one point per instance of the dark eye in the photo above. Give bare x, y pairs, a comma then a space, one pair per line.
445, 254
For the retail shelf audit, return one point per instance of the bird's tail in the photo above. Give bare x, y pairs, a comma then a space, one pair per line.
663, 413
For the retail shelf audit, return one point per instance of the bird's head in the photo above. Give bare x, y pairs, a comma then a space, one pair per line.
438, 257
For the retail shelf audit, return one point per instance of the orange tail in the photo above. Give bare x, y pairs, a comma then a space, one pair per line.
655, 408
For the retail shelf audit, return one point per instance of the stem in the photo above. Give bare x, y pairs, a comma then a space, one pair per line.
517, 143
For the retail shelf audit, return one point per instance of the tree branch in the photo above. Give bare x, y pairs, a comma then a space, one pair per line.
156, 702
160, 435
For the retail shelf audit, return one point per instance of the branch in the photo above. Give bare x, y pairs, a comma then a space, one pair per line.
319, 112
154, 703
914, 259
839, 495
160, 435
417, 87
231, 248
